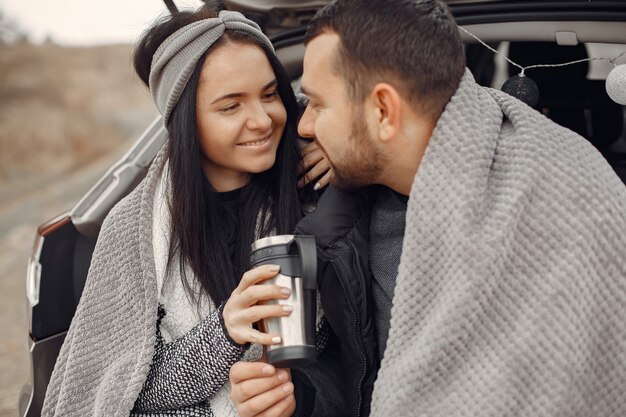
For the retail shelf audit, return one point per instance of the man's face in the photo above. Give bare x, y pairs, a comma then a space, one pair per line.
334, 121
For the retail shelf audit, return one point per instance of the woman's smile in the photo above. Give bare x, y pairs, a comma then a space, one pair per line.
256, 143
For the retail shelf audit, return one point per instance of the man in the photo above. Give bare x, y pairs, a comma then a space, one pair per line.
509, 297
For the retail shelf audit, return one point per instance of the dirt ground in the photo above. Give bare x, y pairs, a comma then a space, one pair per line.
19, 219
65, 115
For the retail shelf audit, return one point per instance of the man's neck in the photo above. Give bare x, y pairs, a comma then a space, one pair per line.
406, 155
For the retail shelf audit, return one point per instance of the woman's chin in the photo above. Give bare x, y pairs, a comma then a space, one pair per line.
258, 166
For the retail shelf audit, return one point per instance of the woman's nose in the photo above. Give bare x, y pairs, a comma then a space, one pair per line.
259, 118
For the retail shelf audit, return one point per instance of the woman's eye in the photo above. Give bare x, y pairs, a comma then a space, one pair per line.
270, 95
229, 108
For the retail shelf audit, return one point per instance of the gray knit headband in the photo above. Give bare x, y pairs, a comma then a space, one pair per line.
174, 61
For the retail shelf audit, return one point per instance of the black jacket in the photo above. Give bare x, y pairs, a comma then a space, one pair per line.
342, 380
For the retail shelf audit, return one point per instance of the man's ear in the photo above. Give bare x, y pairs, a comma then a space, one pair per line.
386, 103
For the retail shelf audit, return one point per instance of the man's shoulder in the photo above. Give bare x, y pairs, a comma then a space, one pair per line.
337, 213
530, 138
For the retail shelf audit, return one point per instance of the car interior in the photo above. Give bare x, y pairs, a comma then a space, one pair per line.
568, 96
573, 96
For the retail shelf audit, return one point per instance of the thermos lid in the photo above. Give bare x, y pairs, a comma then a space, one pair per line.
271, 241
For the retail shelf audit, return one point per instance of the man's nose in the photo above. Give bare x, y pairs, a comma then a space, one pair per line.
259, 118
306, 125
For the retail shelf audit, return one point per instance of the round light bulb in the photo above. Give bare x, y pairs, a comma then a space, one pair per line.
616, 84
523, 88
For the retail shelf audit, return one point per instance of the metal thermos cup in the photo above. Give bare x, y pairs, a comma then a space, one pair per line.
297, 257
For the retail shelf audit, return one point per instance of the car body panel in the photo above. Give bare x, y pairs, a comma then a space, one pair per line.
43, 354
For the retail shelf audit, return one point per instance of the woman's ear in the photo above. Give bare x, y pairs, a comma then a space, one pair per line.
386, 103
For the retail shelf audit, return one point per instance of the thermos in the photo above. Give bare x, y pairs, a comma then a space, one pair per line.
297, 257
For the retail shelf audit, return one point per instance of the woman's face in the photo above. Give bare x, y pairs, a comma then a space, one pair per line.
240, 115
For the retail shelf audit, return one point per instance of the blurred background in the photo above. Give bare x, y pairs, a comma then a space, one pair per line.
70, 105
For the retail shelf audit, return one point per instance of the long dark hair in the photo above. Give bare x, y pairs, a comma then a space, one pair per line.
272, 200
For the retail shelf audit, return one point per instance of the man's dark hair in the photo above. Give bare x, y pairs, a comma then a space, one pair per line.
413, 45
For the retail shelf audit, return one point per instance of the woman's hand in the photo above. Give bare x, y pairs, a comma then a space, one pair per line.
241, 309
259, 389
314, 165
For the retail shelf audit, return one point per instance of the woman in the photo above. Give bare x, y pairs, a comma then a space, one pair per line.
168, 306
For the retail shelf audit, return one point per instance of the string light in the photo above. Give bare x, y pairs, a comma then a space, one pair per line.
525, 89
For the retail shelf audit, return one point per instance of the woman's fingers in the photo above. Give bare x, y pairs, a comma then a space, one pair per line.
311, 154
241, 309
322, 169
239, 323
250, 335
310, 147
311, 159
263, 404
256, 275
325, 180
313, 165
256, 293
251, 387
283, 408
250, 381
259, 312
243, 371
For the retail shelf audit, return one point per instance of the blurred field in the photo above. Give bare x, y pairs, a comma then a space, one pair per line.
62, 107
65, 115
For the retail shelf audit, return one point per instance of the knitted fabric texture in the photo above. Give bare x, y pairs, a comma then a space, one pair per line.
110, 346
183, 313
386, 234
175, 59
511, 295
184, 374
187, 372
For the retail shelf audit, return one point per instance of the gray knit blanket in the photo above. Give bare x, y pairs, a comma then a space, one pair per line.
511, 293
110, 351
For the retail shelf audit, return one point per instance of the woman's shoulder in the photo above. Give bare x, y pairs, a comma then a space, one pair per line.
135, 209
125, 209
139, 199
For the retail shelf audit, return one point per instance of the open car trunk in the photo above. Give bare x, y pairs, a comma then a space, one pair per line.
529, 32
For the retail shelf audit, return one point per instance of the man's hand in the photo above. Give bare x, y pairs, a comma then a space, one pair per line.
259, 389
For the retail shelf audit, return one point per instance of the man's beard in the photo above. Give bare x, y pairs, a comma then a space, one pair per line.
362, 163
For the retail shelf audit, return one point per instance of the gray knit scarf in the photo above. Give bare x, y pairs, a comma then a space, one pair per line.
175, 59
109, 347
511, 293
